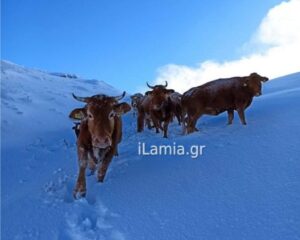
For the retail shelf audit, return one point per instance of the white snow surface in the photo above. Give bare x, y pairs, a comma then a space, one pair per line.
246, 185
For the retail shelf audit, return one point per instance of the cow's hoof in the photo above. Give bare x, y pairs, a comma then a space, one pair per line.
79, 194
100, 179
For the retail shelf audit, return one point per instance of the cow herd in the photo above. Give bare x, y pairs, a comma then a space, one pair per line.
99, 123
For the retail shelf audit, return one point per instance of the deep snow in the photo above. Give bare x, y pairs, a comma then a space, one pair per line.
246, 185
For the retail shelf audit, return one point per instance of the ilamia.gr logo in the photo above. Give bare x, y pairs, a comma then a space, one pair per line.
193, 151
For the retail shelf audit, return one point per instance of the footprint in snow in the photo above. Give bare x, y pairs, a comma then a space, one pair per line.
91, 222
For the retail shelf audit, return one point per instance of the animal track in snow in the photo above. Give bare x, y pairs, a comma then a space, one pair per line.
91, 222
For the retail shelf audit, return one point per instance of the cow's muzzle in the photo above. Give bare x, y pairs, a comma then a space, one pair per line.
101, 142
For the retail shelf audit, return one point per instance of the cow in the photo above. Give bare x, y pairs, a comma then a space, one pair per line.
156, 107
215, 97
176, 102
143, 114
135, 101
100, 132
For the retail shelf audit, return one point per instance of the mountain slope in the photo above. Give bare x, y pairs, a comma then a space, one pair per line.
246, 185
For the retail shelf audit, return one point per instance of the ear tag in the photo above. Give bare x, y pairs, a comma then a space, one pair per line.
78, 116
245, 85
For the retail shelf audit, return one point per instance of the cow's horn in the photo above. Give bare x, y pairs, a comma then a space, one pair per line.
166, 84
149, 86
117, 98
81, 99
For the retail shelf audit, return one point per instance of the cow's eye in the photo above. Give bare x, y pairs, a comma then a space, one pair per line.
90, 116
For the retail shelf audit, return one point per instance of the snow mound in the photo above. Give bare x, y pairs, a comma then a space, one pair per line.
246, 185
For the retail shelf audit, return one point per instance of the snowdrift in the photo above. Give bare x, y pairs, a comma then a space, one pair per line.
246, 185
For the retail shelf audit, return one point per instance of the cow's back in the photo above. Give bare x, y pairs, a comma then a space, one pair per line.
219, 94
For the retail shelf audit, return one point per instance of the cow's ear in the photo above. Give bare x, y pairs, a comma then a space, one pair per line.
121, 108
78, 114
148, 93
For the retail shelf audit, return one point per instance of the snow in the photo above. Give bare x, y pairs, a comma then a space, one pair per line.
245, 185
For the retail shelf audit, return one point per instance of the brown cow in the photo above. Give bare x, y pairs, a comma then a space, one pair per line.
135, 101
143, 114
99, 135
157, 107
215, 97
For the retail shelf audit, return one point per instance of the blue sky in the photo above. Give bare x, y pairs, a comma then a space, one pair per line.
125, 42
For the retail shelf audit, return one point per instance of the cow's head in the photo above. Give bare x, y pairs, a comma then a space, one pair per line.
253, 82
135, 99
159, 95
100, 114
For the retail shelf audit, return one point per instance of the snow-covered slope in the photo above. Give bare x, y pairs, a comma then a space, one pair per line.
246, 185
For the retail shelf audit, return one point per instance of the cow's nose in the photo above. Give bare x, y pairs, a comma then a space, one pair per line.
258, 94
102, 142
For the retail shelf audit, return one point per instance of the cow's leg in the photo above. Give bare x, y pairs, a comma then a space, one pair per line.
156, 130
80, 187
230, 116
179, 119
189, 128
191, 123
184, 122
242, 115
148, 123
140, 121
104, 165
92, 162
116, 151
157, 124
178, 116
165, 128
